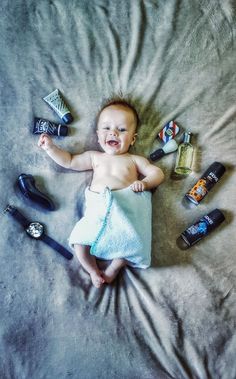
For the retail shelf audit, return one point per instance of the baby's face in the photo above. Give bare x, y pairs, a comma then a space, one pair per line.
116, 129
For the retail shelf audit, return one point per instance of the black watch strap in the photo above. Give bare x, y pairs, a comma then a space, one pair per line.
48, 240
55, 245
17, 215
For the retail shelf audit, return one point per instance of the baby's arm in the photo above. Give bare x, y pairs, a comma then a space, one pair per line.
153, 176
63, 158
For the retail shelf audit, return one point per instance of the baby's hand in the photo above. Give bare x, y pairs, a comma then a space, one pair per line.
138, 186
45, 142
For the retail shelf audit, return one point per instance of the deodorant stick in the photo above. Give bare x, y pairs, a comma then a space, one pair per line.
202, 227
210, 177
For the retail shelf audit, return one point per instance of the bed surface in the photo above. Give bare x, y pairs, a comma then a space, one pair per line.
176, 61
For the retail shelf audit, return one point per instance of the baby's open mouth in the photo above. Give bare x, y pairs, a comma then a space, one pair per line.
112, 143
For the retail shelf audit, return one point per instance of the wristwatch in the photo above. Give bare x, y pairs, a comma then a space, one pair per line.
36, 230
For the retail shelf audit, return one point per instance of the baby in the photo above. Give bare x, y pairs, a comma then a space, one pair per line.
118, 212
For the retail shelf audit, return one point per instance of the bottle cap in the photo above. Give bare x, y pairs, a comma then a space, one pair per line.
216, 216
217, 168
67, 118
187, 137
159, 153
62, 130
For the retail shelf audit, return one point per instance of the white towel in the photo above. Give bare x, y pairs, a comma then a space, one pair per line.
116, 224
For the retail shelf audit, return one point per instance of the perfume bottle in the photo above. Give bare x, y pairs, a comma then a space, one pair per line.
184, 156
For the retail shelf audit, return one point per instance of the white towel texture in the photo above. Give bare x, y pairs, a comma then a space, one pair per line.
116, 224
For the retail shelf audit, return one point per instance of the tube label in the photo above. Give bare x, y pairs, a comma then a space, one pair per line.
44, 126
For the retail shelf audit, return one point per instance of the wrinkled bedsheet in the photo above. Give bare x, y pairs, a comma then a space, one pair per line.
175, 60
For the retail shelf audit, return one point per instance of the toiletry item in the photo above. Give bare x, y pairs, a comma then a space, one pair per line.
210, 177
27, 185
184, 156
56, 101
202, 227
169, 147
169, 131
42, 125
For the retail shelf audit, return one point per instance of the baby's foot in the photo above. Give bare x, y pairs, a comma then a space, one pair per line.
97, 279
110, 273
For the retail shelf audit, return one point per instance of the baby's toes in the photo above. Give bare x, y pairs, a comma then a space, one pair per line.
97, 280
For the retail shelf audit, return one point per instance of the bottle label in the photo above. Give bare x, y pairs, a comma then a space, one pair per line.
198, 230
213, 176
198, 192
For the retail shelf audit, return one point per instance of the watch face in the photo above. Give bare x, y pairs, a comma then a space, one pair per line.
35, 229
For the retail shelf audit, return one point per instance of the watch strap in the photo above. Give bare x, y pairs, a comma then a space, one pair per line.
55, 245
17, 215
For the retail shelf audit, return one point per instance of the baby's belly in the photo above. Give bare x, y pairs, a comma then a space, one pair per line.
112, 182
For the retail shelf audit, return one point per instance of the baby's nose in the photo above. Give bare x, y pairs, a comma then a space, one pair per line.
114, 132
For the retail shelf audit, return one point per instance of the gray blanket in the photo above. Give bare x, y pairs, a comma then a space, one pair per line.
175, 60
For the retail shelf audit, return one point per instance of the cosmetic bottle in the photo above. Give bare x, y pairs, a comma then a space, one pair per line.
184, 156
201, 228
210, 177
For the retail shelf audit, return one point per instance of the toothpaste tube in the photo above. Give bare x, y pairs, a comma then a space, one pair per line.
169, 131
56, 101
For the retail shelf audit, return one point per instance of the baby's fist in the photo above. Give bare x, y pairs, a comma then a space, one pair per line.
45, 142
138, 186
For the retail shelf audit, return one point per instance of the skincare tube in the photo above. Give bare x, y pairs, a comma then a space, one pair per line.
57, 103
44, 126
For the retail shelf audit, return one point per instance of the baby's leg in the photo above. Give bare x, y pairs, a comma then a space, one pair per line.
89, 263
113, 269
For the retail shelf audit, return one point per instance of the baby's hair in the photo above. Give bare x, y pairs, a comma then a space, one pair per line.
122, 102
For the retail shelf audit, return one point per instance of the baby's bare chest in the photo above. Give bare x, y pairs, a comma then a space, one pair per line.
115, 166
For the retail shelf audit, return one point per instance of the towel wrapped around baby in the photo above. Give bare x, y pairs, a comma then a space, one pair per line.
116, 224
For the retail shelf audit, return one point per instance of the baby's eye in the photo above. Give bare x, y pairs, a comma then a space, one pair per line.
106, 128
122, 130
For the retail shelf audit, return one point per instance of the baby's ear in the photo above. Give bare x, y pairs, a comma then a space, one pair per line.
134, 139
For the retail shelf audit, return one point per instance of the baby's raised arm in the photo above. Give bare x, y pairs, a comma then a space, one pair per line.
79, 162
153, 176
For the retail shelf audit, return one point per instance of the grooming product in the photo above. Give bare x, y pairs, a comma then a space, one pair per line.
26, 183
42, 125
210, 177
169, 131
202, 227
56, 101
168, 148
184, 156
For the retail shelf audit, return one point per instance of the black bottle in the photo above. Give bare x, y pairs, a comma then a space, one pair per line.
42, 125
210, 177
202, 227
